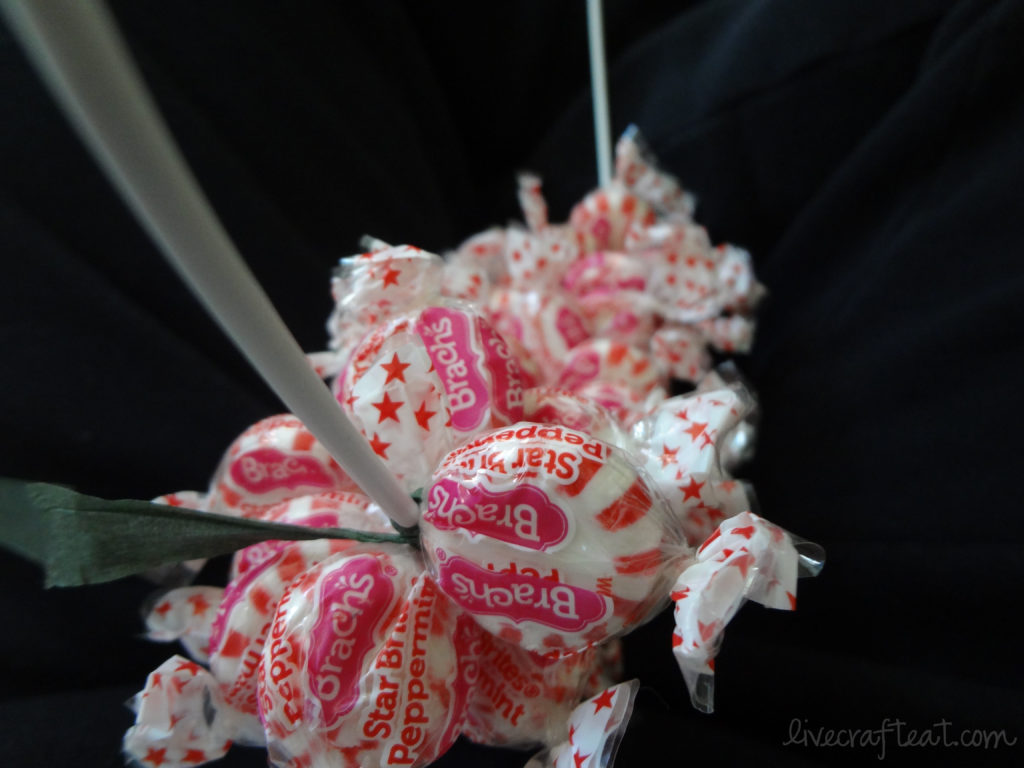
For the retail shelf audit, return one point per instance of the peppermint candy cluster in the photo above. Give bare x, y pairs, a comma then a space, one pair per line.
519, 389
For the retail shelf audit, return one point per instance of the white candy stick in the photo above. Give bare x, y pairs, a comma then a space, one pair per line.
78, 51
599, 91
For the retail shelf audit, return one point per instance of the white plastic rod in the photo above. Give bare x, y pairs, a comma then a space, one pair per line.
599, 92
79, 53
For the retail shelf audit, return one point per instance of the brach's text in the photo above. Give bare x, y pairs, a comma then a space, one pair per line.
448, 339
522, 597
505, 371
354, 598
523, 515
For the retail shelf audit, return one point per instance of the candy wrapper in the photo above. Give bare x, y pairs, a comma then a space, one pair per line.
549, 405
426, 381
548, 537
274, 460
747, 558
376, 286
621, 378
180, 718
680, 439
737, 446
595, 731
360, 666
185, 614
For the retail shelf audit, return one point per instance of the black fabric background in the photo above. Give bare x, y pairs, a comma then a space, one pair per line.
869, 154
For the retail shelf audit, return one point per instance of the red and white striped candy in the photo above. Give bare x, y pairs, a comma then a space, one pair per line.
548, 537
360, 667
546, 324
613, 294
603, 360
260, 575
273, 460
623, 379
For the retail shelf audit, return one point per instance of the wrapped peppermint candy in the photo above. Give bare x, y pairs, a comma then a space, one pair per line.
621, 378
361, 665
612, 292
548, 537
261, 574
426, 381
274, 460
226, 628
680, 440
376, 286
547, 325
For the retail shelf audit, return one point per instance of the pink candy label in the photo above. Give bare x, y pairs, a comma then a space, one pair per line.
508, 385
570, 326
353, 600
448, 337
523, 516
520, 597
268, 469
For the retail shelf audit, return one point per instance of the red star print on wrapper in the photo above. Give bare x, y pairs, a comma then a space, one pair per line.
747, 558
594, 724
695, 483
185, 614
179, 714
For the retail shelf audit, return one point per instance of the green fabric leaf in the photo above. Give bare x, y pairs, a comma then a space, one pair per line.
81, 539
